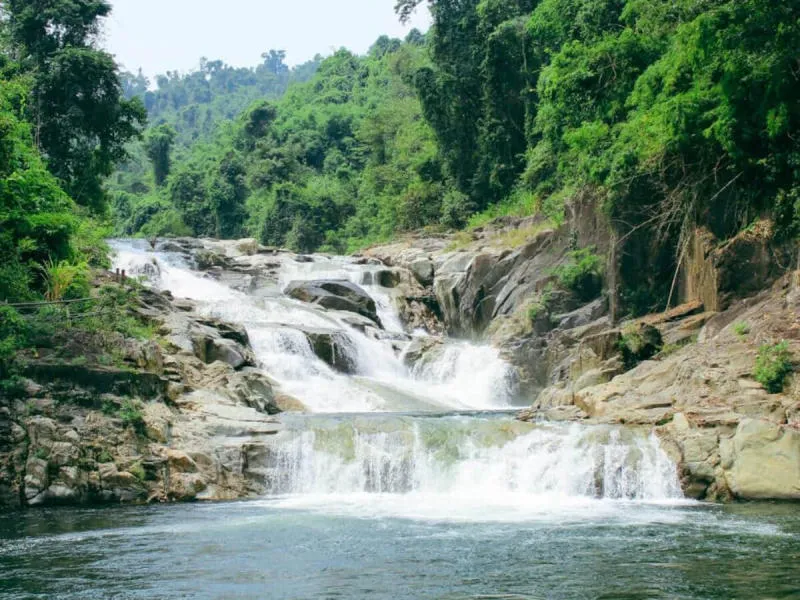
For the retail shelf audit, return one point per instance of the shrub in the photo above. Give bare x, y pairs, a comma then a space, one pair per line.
639, 343
773, 365
741, 329
540, 305
137, 470
131, 414
583, 274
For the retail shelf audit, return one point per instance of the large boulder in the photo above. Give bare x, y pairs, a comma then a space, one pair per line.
335, 295
762, 461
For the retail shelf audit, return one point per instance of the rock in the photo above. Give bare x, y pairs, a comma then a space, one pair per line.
388, 278
208, 259
180, 462
255, 390
229, 331
335, 295
419, 348
762, 461
423, 271
248, 246
287, 403
210, 349
332, 348
582, 316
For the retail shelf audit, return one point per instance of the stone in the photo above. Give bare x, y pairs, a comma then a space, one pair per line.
180, 462
419, 348
211, 349
248, 246
423, 271
335, 295
331, 347
763, 461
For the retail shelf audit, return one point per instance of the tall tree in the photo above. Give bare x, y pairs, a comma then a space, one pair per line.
81, 118
158, 147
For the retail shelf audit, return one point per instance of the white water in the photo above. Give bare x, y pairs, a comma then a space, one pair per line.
463, 377
459, 468
470, 468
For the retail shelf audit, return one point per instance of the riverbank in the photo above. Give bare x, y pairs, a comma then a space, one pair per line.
193, 413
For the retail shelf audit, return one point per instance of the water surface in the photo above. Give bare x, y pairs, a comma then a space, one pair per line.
267, 549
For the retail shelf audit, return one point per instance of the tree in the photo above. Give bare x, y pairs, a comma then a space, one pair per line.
82, 121
158, 145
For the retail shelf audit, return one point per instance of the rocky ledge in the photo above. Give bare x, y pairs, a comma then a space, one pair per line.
175, 419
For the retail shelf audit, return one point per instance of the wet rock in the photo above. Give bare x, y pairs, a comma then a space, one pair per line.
420, 348
332, 347
255, 390
335, 295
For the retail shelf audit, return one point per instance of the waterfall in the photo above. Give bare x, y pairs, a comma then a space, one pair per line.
410, 447
466, 457
462, 377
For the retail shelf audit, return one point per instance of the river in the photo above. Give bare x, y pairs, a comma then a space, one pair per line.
404, 482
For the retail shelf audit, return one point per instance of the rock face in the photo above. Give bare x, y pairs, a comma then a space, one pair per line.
335, 295
730, 436
176, 423
688, 373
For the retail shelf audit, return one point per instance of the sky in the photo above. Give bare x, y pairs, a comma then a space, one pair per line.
168, 35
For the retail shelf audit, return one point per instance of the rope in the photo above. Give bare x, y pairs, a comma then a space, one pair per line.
35, 304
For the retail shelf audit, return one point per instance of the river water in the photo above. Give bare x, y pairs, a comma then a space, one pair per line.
405, 483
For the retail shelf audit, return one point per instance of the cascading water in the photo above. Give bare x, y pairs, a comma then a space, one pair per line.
468, 377
462, 466
409, 453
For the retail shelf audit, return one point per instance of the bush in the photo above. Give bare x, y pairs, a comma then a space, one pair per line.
741, 329
640, 343
583, 274
540, 305
13, 335
131, 414
773, 365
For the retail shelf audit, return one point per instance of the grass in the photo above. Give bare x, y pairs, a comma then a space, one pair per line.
521, 203
741, 329
131, 414
460, 240
773, 366
583, 274
517, 237
541, 304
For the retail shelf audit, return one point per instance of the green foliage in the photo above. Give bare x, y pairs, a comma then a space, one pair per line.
540, 307
158, 146
639, 343
131, 414
137, 470
65, 281
13, 333
773, 365
668, 114
741, 329
582, 274
105, 457
83, 122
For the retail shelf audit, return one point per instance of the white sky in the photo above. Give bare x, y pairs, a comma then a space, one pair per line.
162, 35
